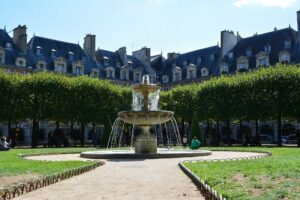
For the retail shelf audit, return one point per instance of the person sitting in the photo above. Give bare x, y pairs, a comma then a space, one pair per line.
195, 144
4, 145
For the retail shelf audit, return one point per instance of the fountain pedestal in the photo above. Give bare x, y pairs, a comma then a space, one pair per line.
145, 142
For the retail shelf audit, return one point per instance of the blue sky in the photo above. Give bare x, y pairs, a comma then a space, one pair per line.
162, 25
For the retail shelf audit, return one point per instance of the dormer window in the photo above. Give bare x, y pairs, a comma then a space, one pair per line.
191, 71
106, 60
21, 62
249, 52
124, 74
177, 73
262, 59
284, 57
41, 65
94, 73
165, 79
242, 63
110, 73
53, 53
230, 55
38, 50
204, 72
287, 44
78, 70
8, 45
211, 57
199, 60
137, 76
71, 56
224, 69
184, 63
129, 63
268, 48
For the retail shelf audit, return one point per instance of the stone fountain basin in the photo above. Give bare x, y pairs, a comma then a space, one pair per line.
146, 117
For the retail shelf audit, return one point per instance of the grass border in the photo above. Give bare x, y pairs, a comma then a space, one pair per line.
19, 189
207, 191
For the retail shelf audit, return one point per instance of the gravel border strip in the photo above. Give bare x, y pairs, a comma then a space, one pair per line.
16, 190
207, 191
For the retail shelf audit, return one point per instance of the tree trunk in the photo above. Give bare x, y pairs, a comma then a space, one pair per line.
35, 133
82, 134
57, 125
218, 134
279, 130
257, 133
182, 128
94, 136
228, 131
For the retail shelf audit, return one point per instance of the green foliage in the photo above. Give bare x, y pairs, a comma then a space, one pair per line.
266, 94
275, 177
56, 97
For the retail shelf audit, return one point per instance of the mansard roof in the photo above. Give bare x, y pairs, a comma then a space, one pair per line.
257, 44
61, 48
112, 58
157, 63
12, 53
193, 56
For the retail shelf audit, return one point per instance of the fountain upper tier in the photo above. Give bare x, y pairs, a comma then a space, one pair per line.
146, 117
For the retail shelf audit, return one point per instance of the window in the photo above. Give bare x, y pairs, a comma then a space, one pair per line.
191, 74
165, 79
191, 71
71, 55
8, 45
137, 76
230, 55
53, 53
268, 48
78, 70
224, 69
106, 60
124, 74
242, 63
59, 68
38, 50
177, 72
204, 72
262, 59
284, 57
110, 72
129, 63
287, 44
199, 60
20, 62
212, 57
249, 52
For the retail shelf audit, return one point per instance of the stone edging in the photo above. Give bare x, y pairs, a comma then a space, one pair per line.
207, 191
23, 188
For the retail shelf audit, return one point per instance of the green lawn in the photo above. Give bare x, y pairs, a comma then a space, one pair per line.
275, 177
11, 164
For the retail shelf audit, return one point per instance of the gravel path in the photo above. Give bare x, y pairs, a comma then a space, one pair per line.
127, 179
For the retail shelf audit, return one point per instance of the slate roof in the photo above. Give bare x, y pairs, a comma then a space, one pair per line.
192, 57
157, 63
62, 50
10, 53
257, 44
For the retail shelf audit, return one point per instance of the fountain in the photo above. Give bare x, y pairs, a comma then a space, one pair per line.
144, 115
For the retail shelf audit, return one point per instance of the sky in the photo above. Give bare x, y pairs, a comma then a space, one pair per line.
163, 25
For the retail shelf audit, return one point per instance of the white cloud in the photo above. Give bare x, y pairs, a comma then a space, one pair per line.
267, 3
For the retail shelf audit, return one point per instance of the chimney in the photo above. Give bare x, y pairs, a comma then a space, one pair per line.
172, 55
298, 25
89, 45
143, 55
20, 37
228, 41
123, 55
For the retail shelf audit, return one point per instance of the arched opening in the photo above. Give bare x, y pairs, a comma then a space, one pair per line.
266, 134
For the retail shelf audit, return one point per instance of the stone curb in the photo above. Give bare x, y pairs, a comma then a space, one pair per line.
207, 191
16, 190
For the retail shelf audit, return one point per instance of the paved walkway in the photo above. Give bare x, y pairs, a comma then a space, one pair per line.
150, 179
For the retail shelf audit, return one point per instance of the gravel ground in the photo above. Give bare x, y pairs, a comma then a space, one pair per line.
148, 179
